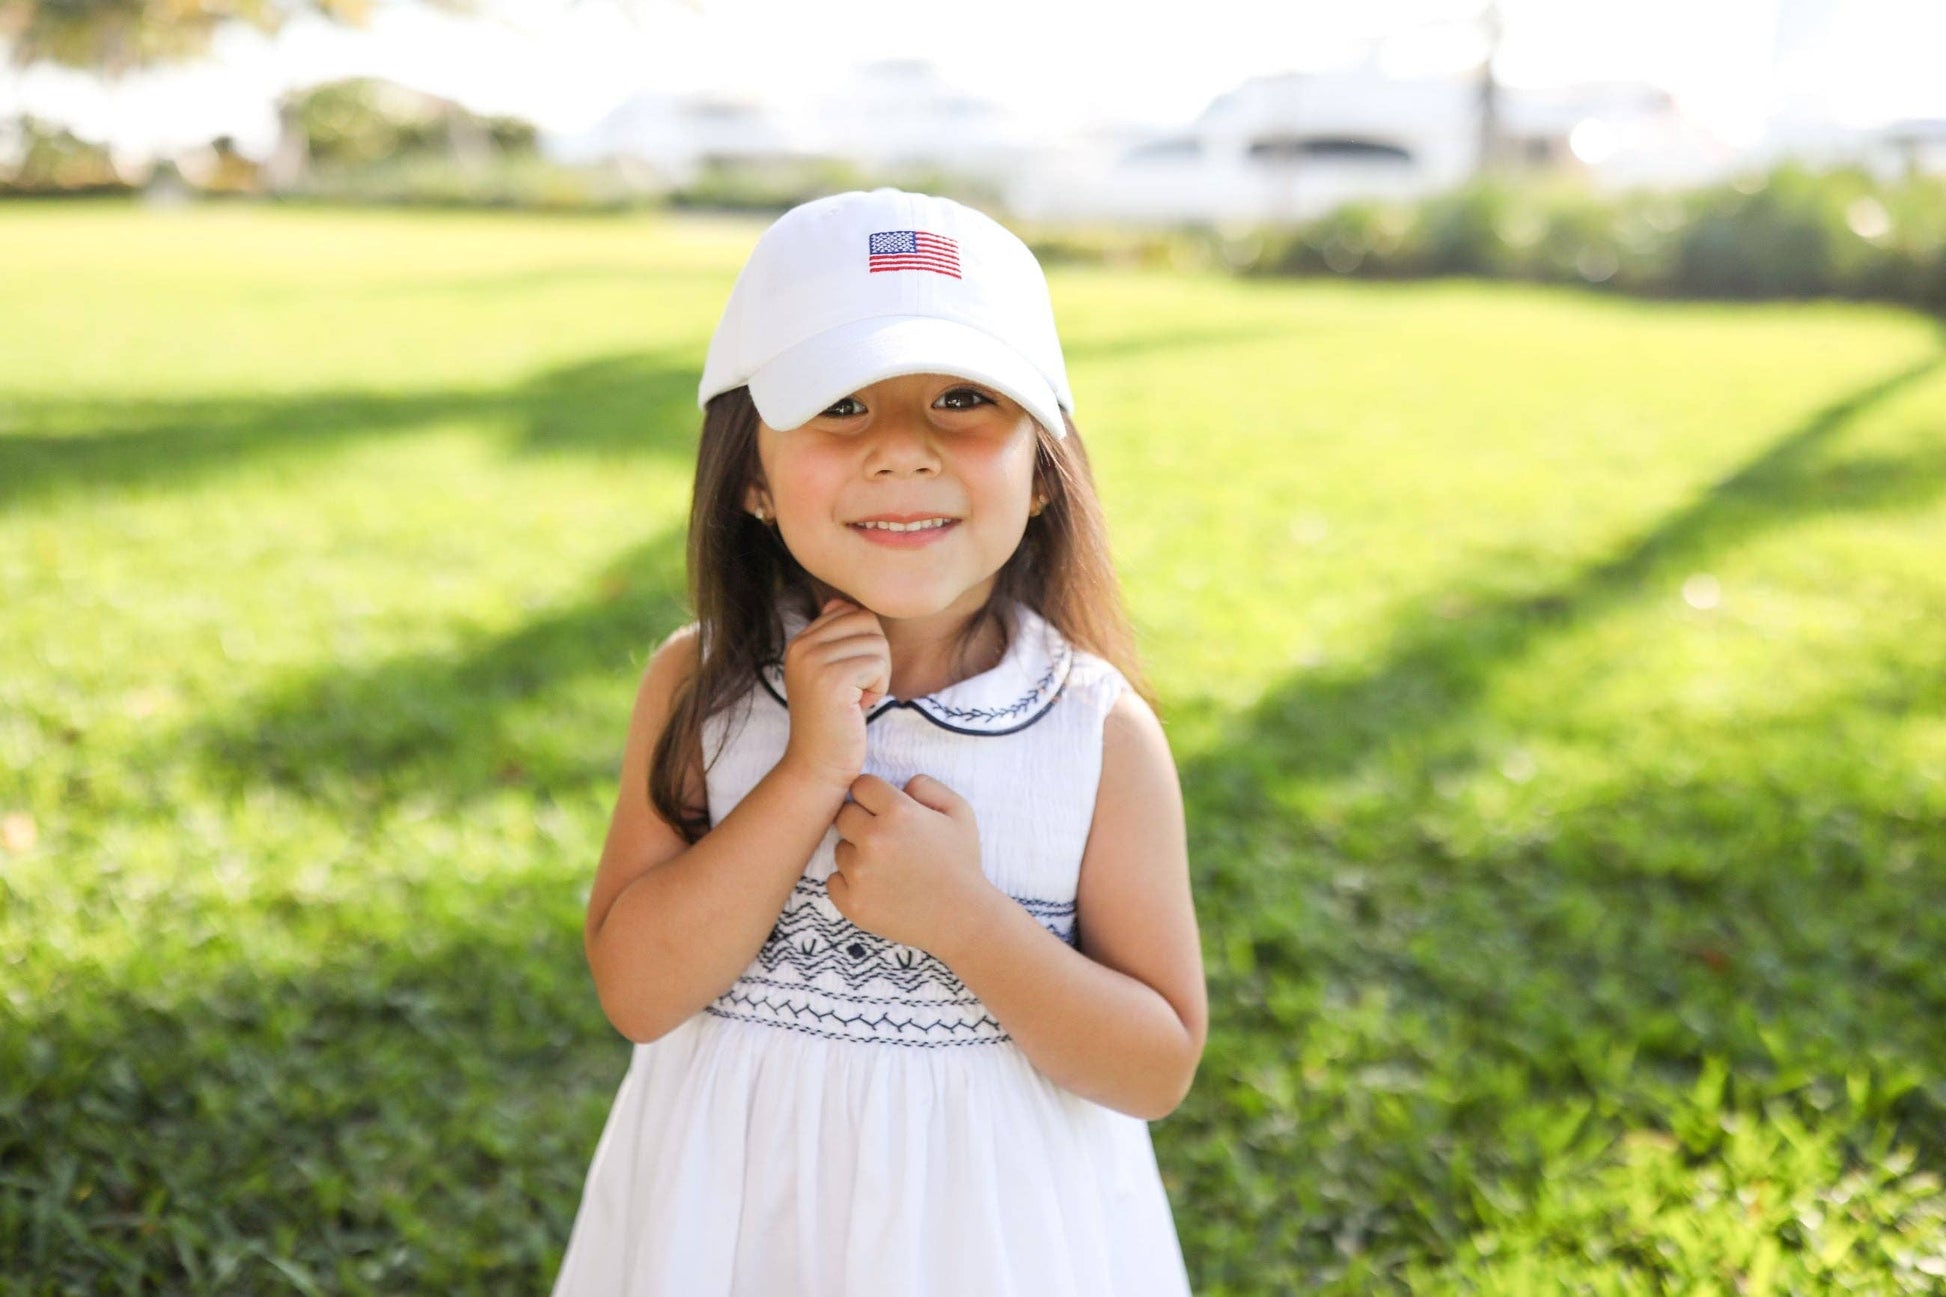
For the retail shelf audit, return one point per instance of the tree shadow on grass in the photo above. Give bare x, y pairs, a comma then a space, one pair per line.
630, 404
635, 404
1451, 647
1444, 658
1390, 1011
400, 1107
438, 724
376, 1116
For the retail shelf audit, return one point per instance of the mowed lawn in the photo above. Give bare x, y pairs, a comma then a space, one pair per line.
1558, 683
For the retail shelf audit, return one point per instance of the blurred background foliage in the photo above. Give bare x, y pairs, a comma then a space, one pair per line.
116, 37
1793, 231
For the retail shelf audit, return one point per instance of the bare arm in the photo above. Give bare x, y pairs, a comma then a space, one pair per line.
1122, 1020
671, 925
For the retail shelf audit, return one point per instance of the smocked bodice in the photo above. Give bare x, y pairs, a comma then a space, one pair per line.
1020, 741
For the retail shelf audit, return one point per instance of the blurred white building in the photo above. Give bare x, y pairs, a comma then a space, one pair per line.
898, 114
1275, 148
1278, 148
674, 136
1889, 152
1293, 146
892, 114
1917, 145
1804, 117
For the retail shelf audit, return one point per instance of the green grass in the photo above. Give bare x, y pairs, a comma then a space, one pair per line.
1555, 680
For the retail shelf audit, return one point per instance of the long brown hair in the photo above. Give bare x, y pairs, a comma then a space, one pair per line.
740, 573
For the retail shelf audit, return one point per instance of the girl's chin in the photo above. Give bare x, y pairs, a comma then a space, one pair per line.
900, 605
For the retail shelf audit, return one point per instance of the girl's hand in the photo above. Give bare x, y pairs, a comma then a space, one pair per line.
909, 863
835, 669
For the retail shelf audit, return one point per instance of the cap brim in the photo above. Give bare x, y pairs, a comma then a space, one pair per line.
799, 383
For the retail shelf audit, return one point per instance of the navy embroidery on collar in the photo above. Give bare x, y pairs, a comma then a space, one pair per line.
1004, 700
1008, 712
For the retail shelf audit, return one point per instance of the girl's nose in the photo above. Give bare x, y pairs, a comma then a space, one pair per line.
902, 435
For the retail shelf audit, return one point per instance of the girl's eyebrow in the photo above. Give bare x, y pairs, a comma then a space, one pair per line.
953, 386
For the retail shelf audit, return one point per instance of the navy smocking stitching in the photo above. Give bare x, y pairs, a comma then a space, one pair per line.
808, 942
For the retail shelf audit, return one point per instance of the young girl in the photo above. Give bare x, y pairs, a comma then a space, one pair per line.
911, 959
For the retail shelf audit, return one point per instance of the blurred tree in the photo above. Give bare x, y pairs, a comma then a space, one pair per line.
54, 158
231, 172
113, 37
357, 121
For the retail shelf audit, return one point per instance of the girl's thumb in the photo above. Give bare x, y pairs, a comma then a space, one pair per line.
935, 793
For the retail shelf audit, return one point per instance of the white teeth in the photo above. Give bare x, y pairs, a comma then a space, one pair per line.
905, 526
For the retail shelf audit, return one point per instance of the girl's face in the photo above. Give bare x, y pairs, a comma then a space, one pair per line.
918, 445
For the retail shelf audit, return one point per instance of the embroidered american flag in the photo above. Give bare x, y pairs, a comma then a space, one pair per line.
914, 250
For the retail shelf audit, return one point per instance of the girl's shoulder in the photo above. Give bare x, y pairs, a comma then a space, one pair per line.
1093, 680
685, 643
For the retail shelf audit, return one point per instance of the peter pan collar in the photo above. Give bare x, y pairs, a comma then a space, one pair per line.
1007, 697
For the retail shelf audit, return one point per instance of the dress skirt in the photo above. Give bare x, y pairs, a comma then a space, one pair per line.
745, 1159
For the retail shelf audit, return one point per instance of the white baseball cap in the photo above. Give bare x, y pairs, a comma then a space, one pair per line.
845, 290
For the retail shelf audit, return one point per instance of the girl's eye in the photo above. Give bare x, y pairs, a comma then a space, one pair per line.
835, 411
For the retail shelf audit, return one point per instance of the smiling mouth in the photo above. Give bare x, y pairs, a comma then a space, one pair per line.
931, 524
904, 536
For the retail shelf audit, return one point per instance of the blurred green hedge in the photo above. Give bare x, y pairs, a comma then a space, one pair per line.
522, 181
1790, 232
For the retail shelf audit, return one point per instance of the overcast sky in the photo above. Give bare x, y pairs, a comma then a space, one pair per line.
564, 63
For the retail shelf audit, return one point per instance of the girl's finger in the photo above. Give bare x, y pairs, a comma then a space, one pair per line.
858, 639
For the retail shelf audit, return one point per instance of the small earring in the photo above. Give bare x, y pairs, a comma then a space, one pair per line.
759, 512
1040, 502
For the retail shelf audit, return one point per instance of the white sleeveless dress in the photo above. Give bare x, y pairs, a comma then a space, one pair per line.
847, 1120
